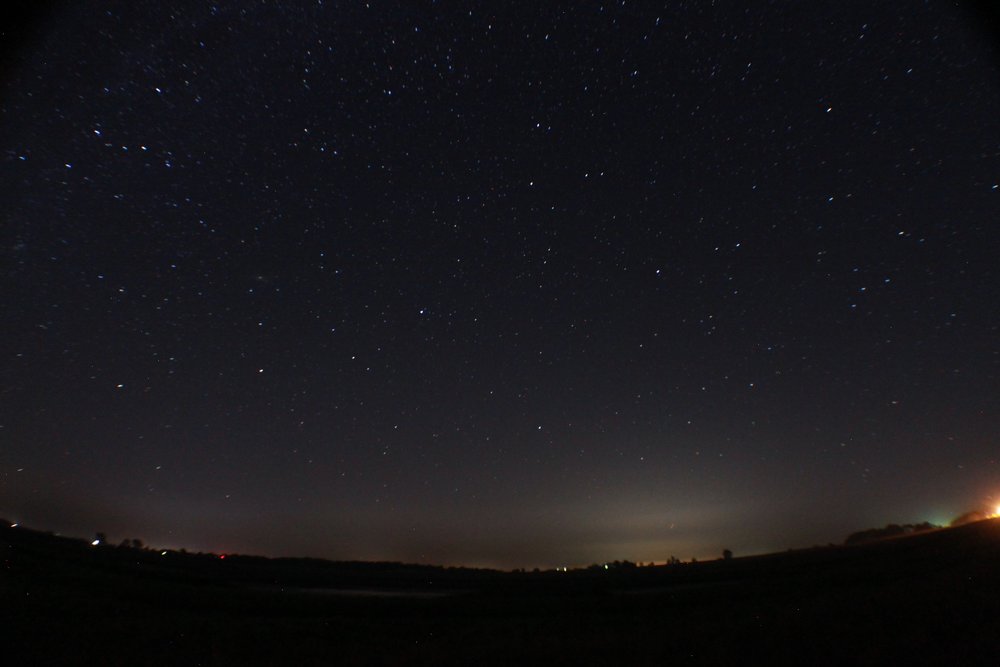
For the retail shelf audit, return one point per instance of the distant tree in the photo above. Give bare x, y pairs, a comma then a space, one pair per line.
727, 554
622, 565
137, 543
968, 517
892, 530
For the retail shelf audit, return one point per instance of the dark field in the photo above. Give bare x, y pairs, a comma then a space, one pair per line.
926, 599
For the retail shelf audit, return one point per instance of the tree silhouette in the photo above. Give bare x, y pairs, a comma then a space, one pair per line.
727, 554
892, 530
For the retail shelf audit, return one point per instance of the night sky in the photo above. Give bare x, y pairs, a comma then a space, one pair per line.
498, 284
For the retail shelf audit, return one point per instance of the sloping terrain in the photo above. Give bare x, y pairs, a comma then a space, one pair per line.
931, 598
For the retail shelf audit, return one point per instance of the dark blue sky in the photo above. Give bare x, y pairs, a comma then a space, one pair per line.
546, 284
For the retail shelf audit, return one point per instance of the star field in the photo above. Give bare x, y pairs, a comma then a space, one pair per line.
532, 285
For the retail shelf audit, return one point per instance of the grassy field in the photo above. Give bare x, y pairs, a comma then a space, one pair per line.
932, 598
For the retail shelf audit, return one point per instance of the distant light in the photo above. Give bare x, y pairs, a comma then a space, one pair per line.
605, 566
13, 525
163, 553
222, 556
95, 543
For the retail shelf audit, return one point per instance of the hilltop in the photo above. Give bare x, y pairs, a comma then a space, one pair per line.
929, 596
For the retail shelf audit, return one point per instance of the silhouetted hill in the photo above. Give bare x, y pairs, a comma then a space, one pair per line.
890, 531
968, 517
931, 598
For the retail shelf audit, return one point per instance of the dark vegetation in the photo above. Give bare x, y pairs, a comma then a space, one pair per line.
968, 517
891, 530
929, 597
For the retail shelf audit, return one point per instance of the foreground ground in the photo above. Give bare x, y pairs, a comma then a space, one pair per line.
927, 599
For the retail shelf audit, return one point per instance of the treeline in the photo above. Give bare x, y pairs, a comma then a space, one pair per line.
891, 530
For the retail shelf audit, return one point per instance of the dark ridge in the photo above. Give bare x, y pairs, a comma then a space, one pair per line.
930, 597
